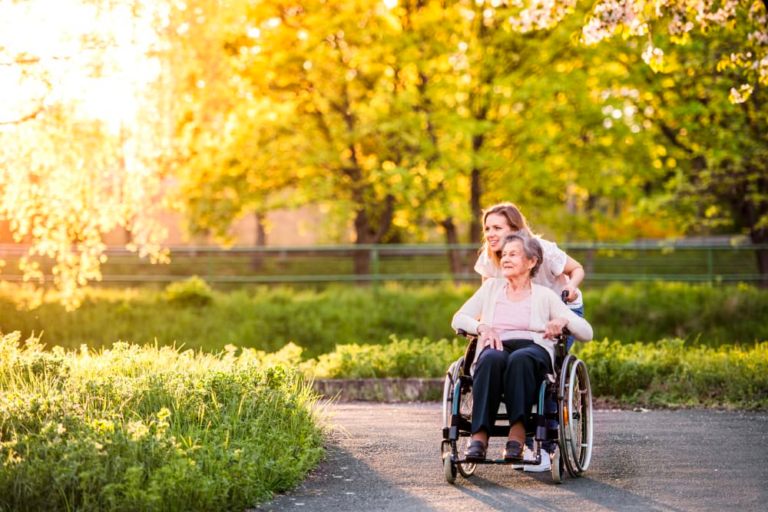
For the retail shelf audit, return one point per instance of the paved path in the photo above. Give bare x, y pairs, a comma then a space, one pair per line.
386, 457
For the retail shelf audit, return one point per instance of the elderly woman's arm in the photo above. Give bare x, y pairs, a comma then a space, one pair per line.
580, 328
466, 318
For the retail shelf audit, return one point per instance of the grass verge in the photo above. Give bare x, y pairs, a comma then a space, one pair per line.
149, 428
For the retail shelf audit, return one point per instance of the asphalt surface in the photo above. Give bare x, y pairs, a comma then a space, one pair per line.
386, 457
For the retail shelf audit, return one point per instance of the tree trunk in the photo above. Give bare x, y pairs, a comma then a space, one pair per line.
475, 230
760, 236
751, 215
362, 259
454, 256
364, 233
257, 260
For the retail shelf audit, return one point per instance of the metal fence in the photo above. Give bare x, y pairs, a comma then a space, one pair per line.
411, 263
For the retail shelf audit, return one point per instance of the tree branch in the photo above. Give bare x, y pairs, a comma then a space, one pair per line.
25, 118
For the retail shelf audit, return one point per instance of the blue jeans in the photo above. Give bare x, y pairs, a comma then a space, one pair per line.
550, 404
580, 312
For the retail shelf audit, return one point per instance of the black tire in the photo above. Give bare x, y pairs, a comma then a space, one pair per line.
563, 415
557, 470
450, 377
579, 419
465, 410
449, 469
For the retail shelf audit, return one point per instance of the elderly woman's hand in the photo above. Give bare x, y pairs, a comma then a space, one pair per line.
554, 327
487, 337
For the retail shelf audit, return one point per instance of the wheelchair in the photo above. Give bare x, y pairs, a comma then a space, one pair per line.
572, 437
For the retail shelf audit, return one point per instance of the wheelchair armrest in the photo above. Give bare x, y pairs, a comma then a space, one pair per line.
469, 354
465, 334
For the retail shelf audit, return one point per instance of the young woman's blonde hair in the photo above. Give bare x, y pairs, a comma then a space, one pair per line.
515, 220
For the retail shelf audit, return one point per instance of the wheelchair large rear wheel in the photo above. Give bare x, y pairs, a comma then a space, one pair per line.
466, 469
576, 418
450, 378
459, 446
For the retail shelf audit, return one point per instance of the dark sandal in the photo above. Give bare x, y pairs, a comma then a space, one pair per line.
513, 451
475, 451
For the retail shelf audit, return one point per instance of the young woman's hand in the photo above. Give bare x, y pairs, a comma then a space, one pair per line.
554, 327
571, 292
487, 337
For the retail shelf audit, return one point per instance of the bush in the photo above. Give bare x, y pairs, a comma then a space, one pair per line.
268, 318
673, 372
399, 358
667, 372
148, 428
192, 292
700, 313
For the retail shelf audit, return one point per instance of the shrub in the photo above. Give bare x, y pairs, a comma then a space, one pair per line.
669, 371
268, 318
672, 371
398, 358
148, 428
191, 292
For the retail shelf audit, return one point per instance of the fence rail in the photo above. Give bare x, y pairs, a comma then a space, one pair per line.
377, 263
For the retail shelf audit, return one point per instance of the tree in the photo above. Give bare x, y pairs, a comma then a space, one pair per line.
328, 99
714, 152
668, 21
74, 161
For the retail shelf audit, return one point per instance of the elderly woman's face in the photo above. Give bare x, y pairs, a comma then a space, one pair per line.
514, 263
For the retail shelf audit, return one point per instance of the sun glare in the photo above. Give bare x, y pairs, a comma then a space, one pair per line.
80, 135
77, 53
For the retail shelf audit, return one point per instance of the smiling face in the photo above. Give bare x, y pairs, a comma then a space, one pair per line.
514, 262
496, 226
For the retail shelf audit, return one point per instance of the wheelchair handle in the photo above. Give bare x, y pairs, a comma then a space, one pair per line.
564, 297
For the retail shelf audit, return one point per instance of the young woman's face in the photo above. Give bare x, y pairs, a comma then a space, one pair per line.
496, 226
514, 263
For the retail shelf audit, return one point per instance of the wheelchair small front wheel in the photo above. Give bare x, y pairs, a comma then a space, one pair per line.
450, 469
468, 468
556, 469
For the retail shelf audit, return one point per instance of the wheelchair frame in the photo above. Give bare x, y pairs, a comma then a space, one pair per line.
573, 435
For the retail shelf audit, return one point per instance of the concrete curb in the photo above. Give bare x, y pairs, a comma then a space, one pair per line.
381, 390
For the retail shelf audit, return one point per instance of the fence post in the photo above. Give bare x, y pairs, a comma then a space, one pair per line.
375, 268
710, 266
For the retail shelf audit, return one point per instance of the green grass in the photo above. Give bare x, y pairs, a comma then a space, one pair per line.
192, 315
149, 428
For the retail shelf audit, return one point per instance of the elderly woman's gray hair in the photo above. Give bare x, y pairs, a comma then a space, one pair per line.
531, 248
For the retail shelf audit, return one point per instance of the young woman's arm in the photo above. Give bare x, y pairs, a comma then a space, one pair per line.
575, 273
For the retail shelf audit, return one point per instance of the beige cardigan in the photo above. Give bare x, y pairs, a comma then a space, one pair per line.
545, 305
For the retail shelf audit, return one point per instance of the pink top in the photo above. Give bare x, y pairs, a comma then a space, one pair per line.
512, 319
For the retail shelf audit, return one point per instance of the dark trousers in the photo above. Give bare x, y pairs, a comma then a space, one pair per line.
516, 372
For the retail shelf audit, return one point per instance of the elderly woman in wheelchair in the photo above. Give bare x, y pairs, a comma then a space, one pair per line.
517, 324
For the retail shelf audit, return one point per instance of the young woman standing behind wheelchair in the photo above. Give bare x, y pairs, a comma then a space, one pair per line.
558, 271
515, 347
